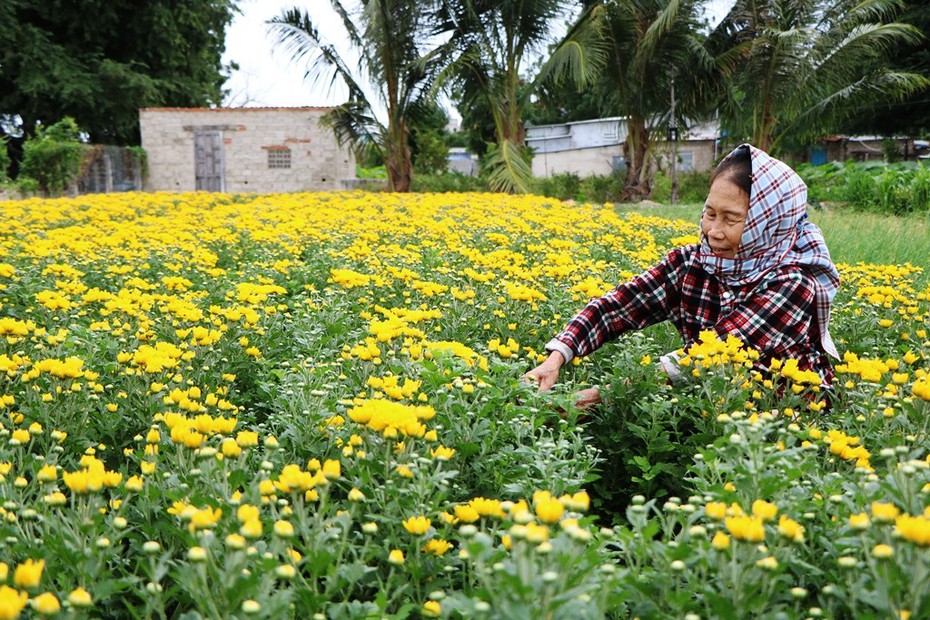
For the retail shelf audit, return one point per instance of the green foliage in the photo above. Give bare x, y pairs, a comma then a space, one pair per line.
562, 185
53, 157
894, 189
837, 49
692, 186
4, 159
449, 182
100, 63
431, 156
652, 44
141, 157
377, 172
911, 116
569, 186
428, 140
507, 166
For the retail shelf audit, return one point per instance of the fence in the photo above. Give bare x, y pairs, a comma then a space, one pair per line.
110, 169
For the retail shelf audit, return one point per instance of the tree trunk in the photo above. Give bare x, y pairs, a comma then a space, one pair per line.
764, 134
637, 184
398, 161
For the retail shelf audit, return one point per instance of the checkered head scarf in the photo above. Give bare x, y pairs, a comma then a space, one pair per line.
777, 232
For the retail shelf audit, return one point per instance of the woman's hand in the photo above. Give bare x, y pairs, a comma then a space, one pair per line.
587, 398
546, 374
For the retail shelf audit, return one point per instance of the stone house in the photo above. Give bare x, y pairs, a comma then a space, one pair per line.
596, 147
253, 150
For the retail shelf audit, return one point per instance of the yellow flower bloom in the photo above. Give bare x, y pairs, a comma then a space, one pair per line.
80, 598
11, 602
884, 512
442, 453
746, 528
28, 574
914, 529
251, 529
715, 510
437, 546
859, 521
417, 525
247, 512
790, 529
283, 529
466, 513
720, 541
549, 509
764, 510
882, 552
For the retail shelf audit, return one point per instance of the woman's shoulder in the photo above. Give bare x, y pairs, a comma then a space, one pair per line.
789, 274
683, 254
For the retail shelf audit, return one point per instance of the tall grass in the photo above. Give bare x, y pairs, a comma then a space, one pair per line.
852, 236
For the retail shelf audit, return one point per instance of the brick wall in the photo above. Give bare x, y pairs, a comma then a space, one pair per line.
247, 135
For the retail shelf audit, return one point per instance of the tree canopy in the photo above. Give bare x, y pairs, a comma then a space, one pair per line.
801, 67
910, 116
99, 61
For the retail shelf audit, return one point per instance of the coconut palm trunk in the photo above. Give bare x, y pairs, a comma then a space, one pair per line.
638, 183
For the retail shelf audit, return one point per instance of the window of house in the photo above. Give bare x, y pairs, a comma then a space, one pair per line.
685, 161
279, 158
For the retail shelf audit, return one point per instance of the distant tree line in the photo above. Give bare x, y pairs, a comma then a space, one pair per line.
779, 73
99, 61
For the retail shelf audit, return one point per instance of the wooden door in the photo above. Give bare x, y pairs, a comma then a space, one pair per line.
208, 161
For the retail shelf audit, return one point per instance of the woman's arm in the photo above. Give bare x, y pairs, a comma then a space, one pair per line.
645, 300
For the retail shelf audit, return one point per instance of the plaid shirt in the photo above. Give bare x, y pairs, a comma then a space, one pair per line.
775, 315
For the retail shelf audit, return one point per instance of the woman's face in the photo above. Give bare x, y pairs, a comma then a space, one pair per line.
724, 217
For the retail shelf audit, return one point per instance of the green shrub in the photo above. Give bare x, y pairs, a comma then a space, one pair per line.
448, 182
893, 189
603, 187
692, 187
432, 154
561, 185
4, 160
53, 156
376, 172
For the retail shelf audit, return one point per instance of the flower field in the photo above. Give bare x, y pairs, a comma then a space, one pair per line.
309, 406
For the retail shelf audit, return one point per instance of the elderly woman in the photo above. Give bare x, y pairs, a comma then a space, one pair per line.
762, 273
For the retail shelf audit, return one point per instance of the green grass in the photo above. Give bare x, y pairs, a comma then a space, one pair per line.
851, 236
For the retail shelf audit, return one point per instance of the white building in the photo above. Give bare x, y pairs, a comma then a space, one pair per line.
597, 147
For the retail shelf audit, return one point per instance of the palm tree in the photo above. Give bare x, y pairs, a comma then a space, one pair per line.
802, 65
492, 41
395, 60
652, 42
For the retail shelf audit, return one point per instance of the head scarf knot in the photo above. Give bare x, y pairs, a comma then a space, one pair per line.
777, 233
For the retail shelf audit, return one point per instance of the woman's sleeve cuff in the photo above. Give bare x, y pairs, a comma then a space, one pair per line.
669, 363
561, 347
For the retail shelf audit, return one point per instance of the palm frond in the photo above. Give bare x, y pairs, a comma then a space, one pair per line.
353, 123
297, 35
355, 37
580, 56
507, 169
658, 29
